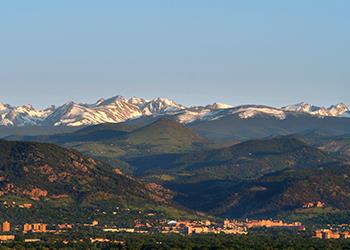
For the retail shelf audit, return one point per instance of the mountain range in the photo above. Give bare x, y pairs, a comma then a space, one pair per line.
242, 161
120, 109
246, 178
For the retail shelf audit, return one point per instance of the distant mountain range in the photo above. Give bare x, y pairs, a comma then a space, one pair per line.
120, 109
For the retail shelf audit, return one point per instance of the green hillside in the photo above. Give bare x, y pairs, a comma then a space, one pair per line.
232, 127
51, 177
164, 136
253, 178
288, 190
247, 160
339, 145
113, 143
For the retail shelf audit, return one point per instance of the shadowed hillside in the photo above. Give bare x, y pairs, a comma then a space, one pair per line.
53, 177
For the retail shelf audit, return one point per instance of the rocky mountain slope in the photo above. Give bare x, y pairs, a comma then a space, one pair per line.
49, 177
289, 190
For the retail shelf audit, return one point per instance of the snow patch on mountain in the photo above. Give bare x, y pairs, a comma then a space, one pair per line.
191, 114
138, 101
218, 105
161, 105
333, 111
22, 115
246, 112
112, 110
119, 109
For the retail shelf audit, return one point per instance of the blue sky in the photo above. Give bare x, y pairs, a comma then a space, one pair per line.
193, 51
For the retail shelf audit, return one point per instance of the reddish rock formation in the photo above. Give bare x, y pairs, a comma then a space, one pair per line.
118, 171
10, 187
159, 193
59, 196
36, 193
46, 169
80, 166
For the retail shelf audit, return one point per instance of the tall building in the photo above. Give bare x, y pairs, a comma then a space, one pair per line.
27, 227
6, 226
35, 228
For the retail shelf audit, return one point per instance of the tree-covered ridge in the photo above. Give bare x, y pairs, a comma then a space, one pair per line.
49, 176
247, 160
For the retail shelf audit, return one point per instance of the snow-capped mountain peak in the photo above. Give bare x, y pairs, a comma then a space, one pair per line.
218, 105
137, 101
299, 107
119, 109
111, 110
334, 110
99, 101
339, 109
161, 105
111, 101
250, 111
4, 106
22, 115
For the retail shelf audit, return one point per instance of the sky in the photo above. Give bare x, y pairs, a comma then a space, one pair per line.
193, 51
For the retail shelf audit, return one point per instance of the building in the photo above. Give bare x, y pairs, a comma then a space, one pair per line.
328, 234
31, 240
318, 234
65, 226
119, 230
196, 229
93, 224
234, 227
34, 228
345, 235
6, 226
238, 230
26, 205
99, 240
204, 227
331, 235
6, 237
233, 224
318, 204
270, 223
